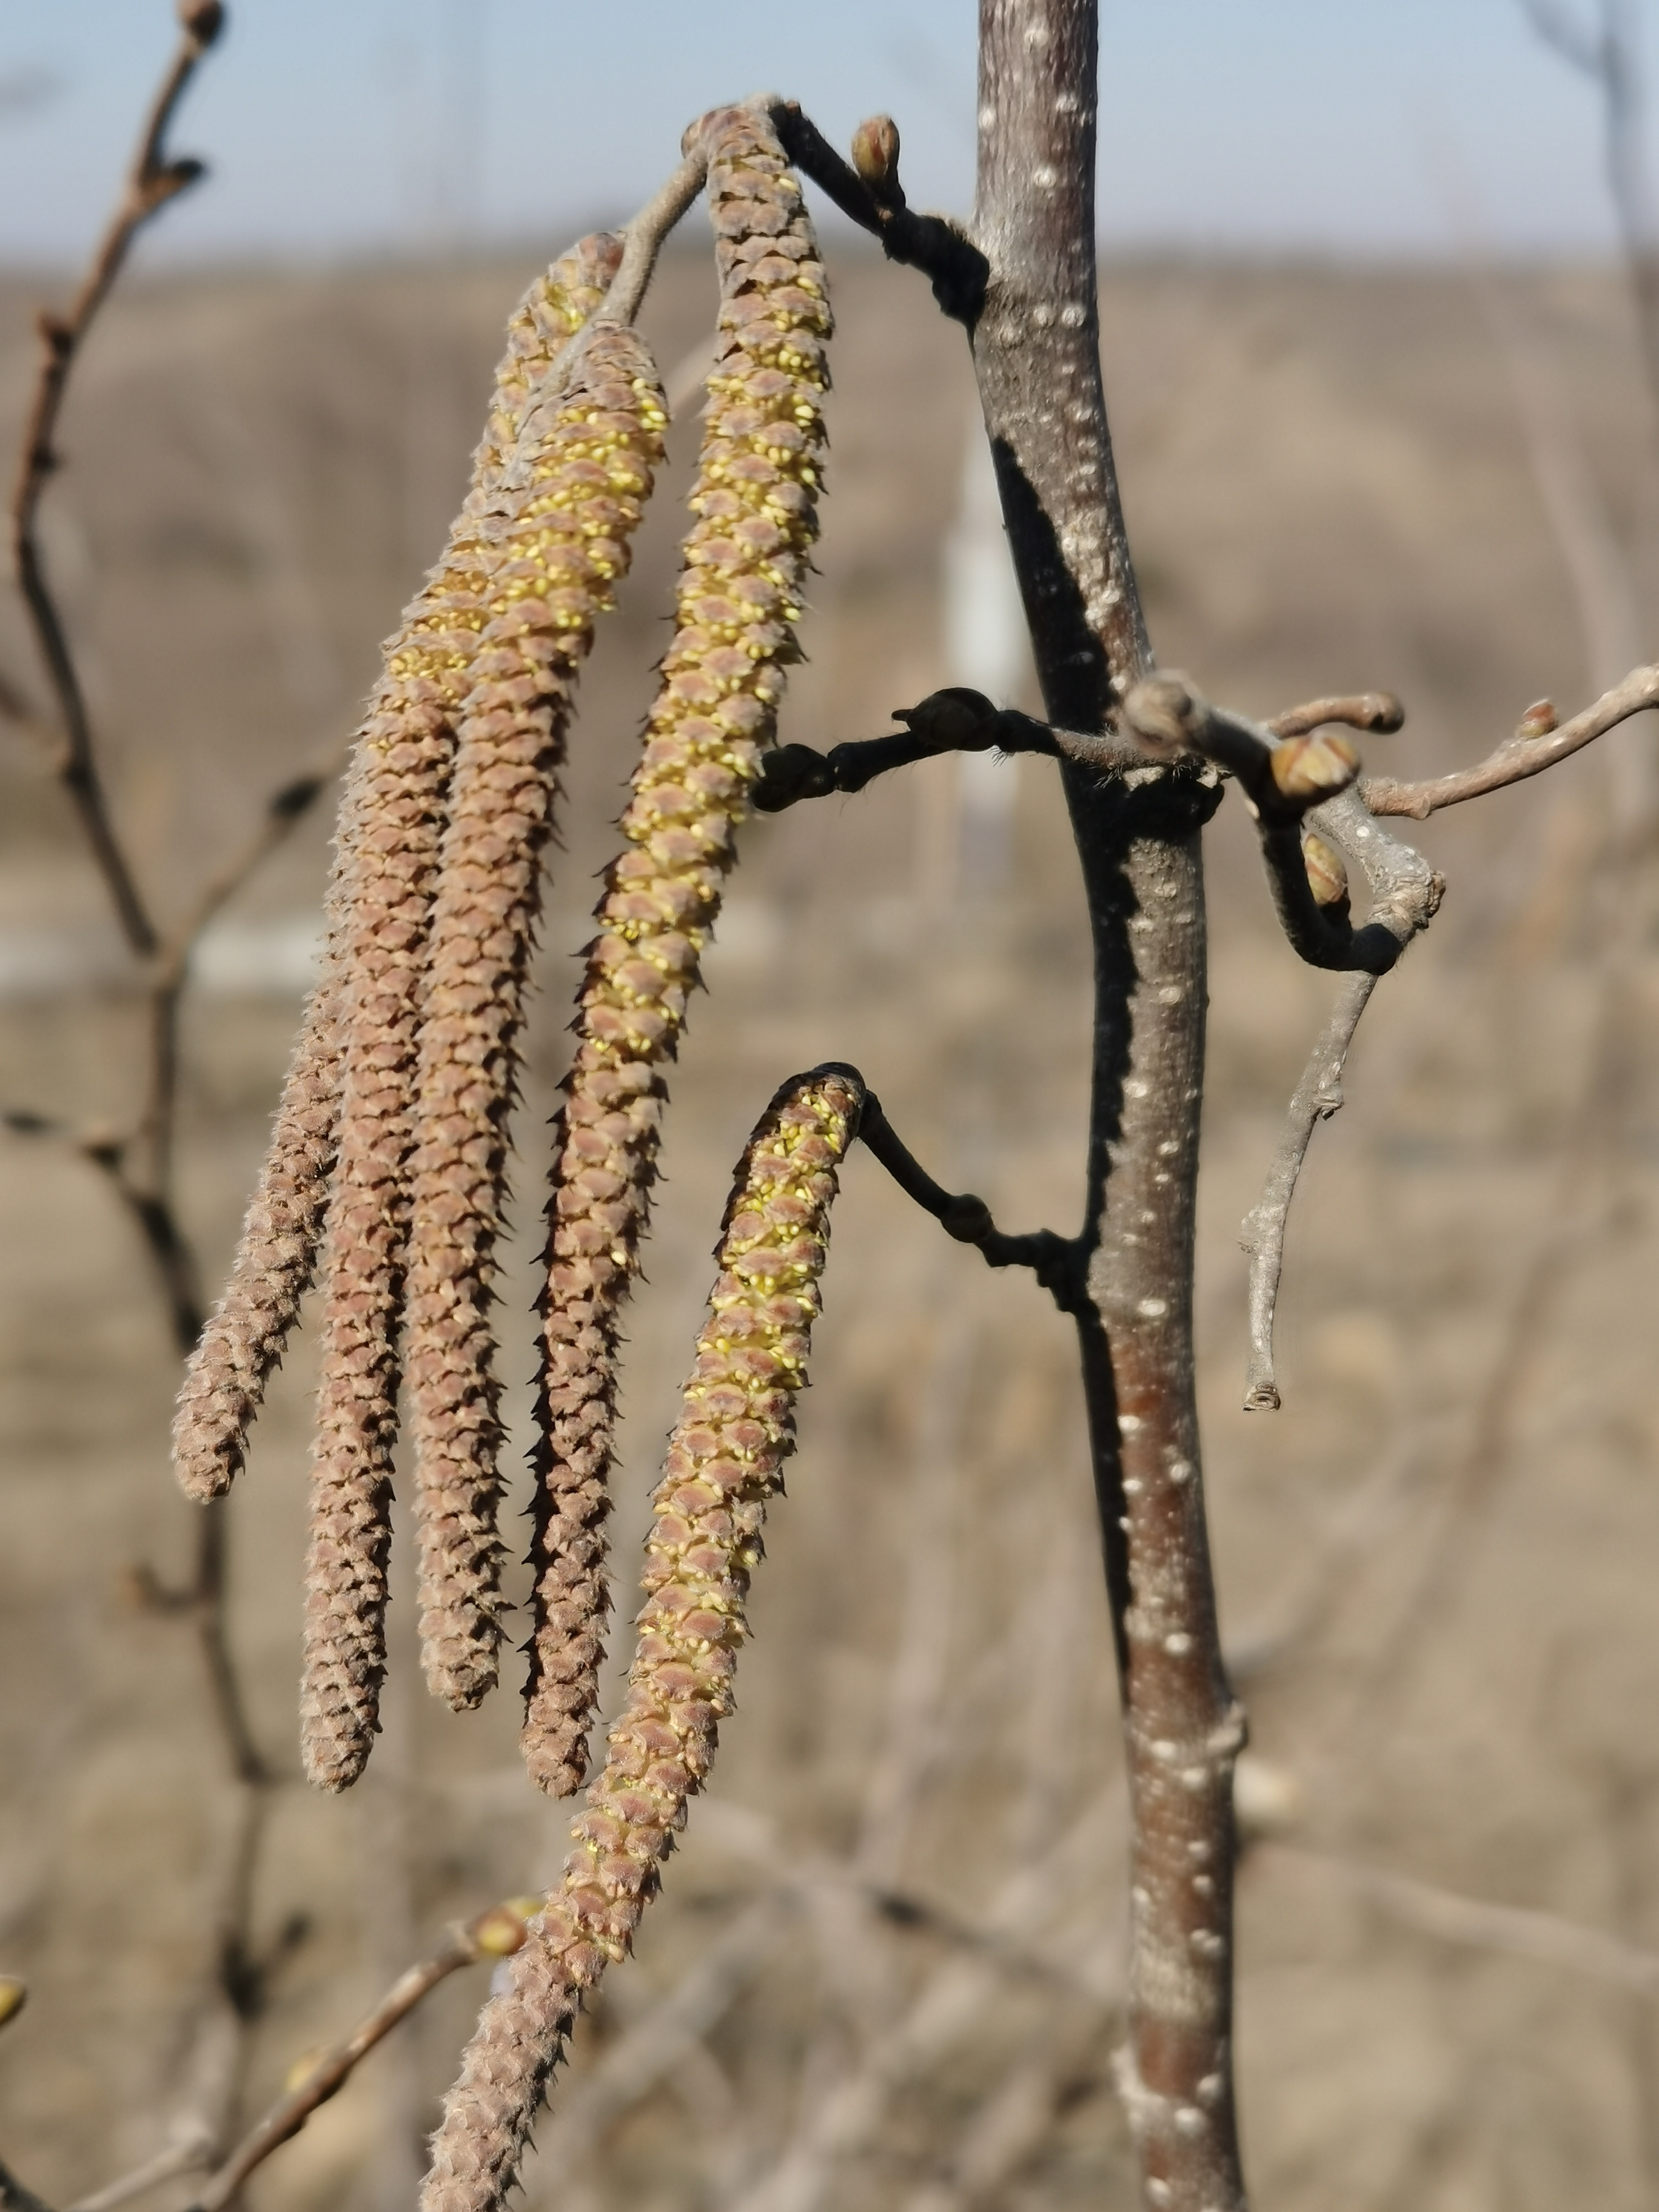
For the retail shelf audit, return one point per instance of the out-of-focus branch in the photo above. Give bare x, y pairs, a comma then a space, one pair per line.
1607, 51
1538, 744
495, 1934
1515, 1931
14, 2197
155, 178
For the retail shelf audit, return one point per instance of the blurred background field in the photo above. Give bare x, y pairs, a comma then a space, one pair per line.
886, 1967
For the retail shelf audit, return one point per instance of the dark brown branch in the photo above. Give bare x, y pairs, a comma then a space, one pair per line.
1284, 779
1056, 1261
876, 203
493, 1935
956, 719
155, 178
14, 2197
1529, 752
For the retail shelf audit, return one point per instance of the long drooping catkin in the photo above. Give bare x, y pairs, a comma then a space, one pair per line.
755, 506
564, 543
391, 826
734, 1433
242, 1344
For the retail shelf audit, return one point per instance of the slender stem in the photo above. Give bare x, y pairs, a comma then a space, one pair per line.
1518, 756
1036, 354
153, 179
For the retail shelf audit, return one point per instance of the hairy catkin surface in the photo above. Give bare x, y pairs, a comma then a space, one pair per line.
243, 1342
736, 1429
569, 512
392, 823
754, 505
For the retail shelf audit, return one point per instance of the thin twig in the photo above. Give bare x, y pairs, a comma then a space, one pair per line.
1318, 1095
1406, 894
154, 179
1518, 756
1515, 1931
495, 1934
643, 239
1055, 1260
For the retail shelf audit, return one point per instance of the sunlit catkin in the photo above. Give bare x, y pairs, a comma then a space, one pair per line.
569, 512
242, 1344
754, 505
392, 823
735, 1430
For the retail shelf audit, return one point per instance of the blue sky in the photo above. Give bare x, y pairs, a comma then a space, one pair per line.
340, 127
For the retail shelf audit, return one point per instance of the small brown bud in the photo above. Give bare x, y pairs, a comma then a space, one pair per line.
967, 1218
1327, 873
1159, 710
1315, 767
501, 1931
301, 2070
954, 721
876, 151
203, 19
1540, 718
1267, 1799
14, 1995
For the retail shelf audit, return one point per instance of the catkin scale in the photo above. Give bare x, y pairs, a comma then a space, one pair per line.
243, 1342
723, 1462
744, 565
555, 559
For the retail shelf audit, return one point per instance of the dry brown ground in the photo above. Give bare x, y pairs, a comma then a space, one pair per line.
1328, 488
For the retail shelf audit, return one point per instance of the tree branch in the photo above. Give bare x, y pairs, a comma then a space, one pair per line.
154, 179
872, 197
1056, 1261
495, 1934
1537, 745
1406, 895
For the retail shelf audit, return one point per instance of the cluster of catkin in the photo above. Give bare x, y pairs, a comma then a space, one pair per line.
397, 1097
745, 564
723, 1462
390, 1148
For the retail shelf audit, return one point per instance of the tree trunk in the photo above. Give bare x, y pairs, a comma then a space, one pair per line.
1036, 354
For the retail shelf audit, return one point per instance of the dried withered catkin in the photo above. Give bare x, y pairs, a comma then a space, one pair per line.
755, 507
735, 1430
391, 825
560, 548
242, 1344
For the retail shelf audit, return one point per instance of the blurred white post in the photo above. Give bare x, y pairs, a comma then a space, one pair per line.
986, 647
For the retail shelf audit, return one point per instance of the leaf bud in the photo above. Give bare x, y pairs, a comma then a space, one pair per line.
876, 152
203, 19
1328, 872
501, 1931
1540, 718
1316, 768
955, 720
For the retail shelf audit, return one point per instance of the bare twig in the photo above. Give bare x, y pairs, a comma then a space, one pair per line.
1055, 1260
1515, 1930
1527, 753
643, 239
1318, 1095
1607, 53
154, 179
493, 1935
1406, 894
